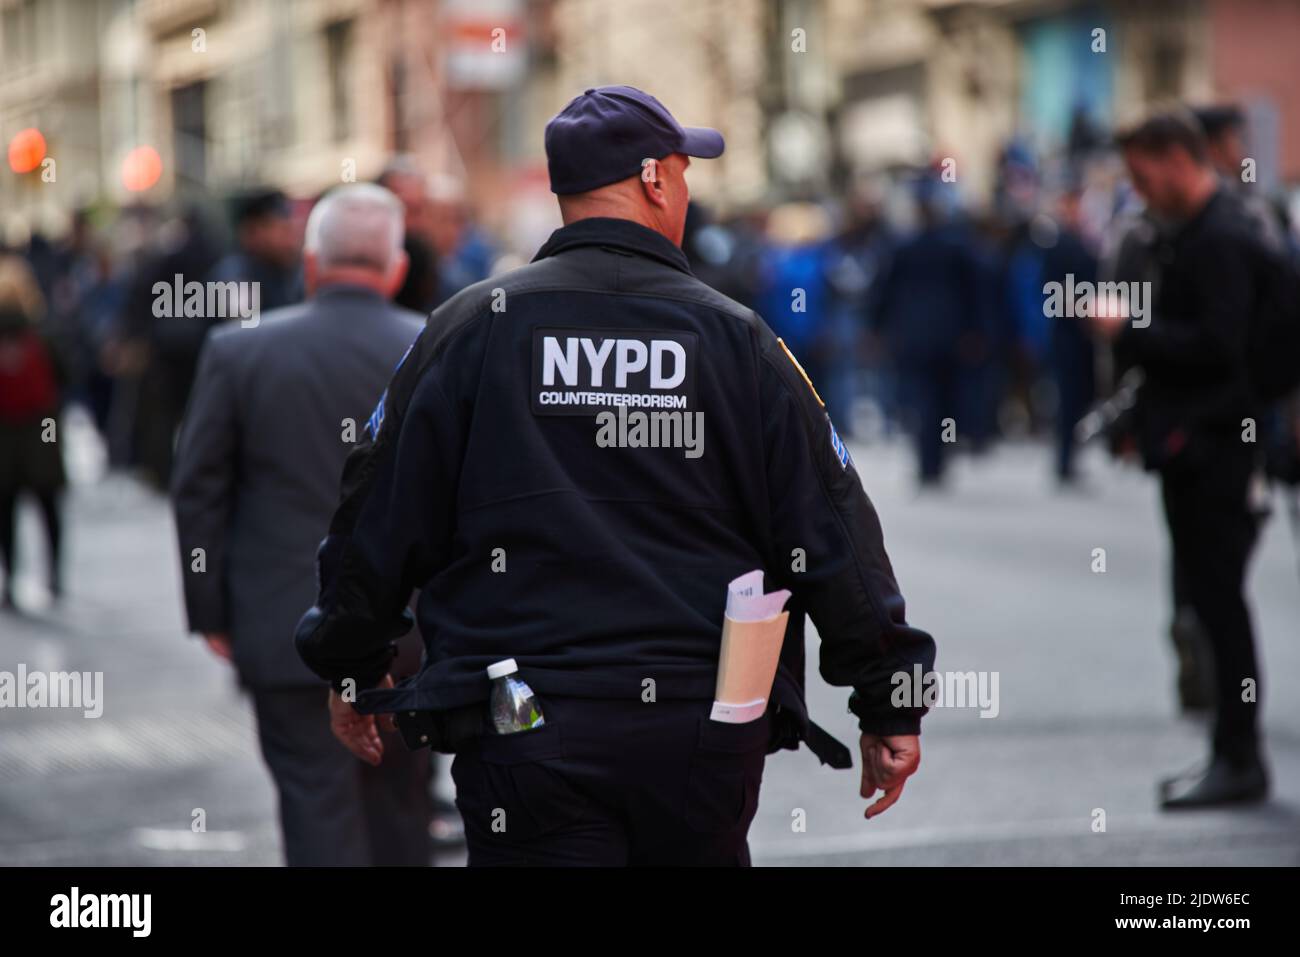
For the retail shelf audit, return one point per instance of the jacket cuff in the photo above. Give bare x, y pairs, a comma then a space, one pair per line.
887, 721
885, 727
361, 686
210, 623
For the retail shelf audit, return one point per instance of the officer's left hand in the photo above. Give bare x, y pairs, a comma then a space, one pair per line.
887, 762
219, 642
357, 732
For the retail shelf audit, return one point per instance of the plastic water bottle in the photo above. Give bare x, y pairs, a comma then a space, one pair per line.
514, 706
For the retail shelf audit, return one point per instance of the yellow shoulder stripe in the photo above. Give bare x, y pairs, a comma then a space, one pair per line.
786, 350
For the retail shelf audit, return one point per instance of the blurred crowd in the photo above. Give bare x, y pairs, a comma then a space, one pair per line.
905, 307
909, 311
92, 295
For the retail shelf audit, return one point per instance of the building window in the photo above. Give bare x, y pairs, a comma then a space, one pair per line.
190, 135
1165, 70
20, 39
338, 61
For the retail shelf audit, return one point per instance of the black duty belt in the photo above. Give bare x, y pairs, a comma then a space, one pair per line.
450, 731
443, 731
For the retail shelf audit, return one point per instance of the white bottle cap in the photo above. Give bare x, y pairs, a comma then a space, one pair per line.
499, 669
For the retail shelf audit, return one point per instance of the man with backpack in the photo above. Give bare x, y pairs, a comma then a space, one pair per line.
1277, 360
1197, 413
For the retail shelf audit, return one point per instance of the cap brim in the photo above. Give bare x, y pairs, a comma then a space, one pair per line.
702, 142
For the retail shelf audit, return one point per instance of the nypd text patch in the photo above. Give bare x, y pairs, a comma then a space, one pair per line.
585, 371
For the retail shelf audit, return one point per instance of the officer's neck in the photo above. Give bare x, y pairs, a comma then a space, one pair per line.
613, 206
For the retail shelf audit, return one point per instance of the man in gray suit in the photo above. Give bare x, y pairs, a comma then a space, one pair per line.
277, 405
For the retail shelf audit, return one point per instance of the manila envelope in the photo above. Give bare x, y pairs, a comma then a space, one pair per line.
748, 659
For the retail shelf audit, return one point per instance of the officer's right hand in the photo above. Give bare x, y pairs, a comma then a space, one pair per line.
357, 732
887, 762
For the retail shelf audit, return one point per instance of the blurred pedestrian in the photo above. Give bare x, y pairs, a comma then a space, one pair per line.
275, 411
465, 255
86, 302
726, 255
857, 259
1224, 125
1068, 260
1195, 399
169, 345
97, 310
31, 458
1225, 134
988, 374
1130, 255
930, 318
405, 180
268, 248
794, 293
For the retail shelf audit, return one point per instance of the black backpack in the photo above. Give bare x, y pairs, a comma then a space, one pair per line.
1273, 340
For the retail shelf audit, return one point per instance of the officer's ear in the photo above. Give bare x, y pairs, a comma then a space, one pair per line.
652, 182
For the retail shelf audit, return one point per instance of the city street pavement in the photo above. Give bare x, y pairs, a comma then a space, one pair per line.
999, 568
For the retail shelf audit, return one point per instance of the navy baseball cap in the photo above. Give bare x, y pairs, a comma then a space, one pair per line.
604, 135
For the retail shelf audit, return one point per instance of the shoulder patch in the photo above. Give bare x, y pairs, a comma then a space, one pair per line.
790, 356
377, 416
841, 450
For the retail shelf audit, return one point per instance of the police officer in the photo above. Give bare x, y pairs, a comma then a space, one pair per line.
602, 567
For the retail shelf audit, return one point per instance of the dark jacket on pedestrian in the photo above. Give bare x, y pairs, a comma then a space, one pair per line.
928, 300
601, 568
275, 410
1196, 389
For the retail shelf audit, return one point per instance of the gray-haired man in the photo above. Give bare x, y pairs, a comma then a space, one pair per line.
277, 406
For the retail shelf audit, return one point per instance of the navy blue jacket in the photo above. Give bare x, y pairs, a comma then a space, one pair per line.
929, 298
597, 568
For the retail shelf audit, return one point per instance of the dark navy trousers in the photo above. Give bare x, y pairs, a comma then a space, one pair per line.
613, 783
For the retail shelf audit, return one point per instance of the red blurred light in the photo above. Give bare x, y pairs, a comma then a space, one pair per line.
141, 169
26, 150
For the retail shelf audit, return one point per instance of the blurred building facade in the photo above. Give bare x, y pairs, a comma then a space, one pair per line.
302, 94
50, 81
810, 93
959, 79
